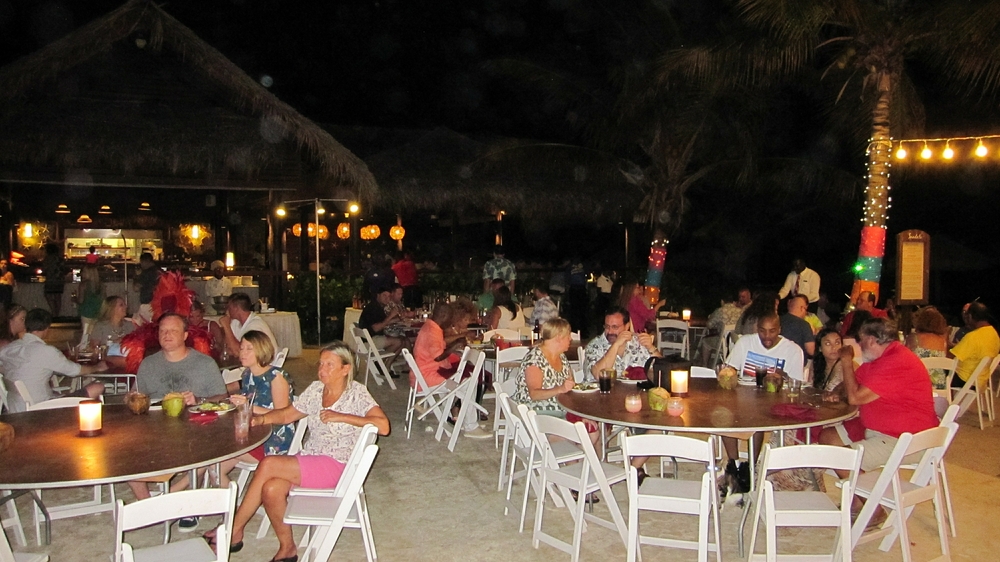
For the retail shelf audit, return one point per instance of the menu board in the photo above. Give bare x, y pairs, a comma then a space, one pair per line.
913, 267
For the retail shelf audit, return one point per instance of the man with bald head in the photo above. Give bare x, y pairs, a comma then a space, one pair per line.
866, 301
769, 350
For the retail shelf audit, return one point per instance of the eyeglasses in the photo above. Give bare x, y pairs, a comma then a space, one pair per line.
613, 326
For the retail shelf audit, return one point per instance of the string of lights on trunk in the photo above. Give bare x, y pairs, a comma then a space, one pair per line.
946, 148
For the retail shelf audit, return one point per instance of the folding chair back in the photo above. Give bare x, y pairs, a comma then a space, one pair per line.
419, 389
463, 389
973, 392
279, 358
672, 495
62, 402
672, 337
22, 391
168, 507
505, 333
702, 372
3, 395
375, 360
7, 555
509, 355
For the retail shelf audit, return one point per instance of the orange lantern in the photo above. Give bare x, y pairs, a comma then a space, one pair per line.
397, 232
370, 232
324, 232
343, 231
297, 229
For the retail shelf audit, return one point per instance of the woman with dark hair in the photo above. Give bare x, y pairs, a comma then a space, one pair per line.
12, 324
930, 339
630, 298
828, 372
505, 314
762, 305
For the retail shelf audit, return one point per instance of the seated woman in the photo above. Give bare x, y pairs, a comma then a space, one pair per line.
196, 319
337, 408
112, 325
12, 324
271, 391
505, 314
641, 313
930, 339
828, 372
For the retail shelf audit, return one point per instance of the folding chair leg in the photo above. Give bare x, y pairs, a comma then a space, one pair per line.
943, 478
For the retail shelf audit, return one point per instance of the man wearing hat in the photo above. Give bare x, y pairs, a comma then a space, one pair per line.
219, 285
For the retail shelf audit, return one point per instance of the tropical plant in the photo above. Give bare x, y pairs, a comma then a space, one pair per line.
864, 52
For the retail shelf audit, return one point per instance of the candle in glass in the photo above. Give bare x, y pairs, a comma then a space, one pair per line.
90, 418
686, 314
633, 403
678, 382
675, 406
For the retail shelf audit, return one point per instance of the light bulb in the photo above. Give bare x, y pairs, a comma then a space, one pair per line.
948, 153
901, 153
926, 153
981, 150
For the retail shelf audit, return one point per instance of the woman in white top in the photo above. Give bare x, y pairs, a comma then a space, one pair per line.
505, 314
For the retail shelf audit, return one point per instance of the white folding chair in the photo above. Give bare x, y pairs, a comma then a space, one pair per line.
502, 375
279, 358
463, 390
946, 364
329, 514
12, 521
52, 513
807, 508
247, 469
688, 497
168, 507
722, 348
420, 393
886, 487
585, 477
376, 360
672, 336
972, 392
303, 513
22, 390
3, 395
7, 555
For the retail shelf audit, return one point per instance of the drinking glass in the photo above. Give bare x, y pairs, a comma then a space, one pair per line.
604, 379
794, 386
761, 372
241, 423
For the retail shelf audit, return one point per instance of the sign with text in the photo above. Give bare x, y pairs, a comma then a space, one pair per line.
913, 265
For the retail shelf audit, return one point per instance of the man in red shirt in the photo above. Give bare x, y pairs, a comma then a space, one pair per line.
866, 301
892, 390
406, 276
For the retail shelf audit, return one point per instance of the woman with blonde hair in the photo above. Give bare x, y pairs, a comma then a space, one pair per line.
89, 296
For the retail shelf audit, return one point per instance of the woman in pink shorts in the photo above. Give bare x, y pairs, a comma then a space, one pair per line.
337, 408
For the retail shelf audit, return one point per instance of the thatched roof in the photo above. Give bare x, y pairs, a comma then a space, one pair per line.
442, 170
136, 98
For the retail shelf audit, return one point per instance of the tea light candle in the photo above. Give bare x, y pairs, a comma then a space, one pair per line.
90, 418
633, 403
679, 383
686, 314
675, 406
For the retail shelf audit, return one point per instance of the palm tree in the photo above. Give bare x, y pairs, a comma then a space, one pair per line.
865, 50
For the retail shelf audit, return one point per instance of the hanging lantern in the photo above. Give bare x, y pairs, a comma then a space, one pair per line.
324, 232
370, 232
397, 232
297, 229
343, 231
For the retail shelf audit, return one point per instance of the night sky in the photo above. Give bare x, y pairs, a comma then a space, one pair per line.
406, 64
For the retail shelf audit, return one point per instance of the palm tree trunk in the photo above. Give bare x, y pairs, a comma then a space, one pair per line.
868, 269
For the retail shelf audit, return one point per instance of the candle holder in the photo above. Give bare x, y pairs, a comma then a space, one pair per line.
679, 383
90, 418
686, 314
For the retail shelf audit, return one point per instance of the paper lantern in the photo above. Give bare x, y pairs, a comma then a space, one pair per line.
397, 232
370, 232
297, 229
343, 231
324, 232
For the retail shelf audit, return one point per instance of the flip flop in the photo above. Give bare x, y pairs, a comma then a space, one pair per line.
233, 548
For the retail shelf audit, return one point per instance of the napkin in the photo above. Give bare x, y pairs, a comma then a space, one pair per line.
203, 418
635, 374
795, 411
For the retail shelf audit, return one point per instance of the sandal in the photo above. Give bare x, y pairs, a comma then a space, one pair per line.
233, 548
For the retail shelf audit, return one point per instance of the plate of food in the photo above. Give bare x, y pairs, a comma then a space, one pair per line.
585, 387
217, 407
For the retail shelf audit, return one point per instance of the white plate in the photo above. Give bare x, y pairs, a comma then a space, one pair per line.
588, 391
629, 381
196, 409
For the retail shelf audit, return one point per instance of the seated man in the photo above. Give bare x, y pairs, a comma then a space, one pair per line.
177, 368
374, 319
240, 319
765, 349
891, 389
726, 315
545, 308
865, 301
980, 341
33, 362
795, 327
618, 347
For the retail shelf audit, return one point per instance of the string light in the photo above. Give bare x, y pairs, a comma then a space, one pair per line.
901, 153
926, 152
948, 153
980, 148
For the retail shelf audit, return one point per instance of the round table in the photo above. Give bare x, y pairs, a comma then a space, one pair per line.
708, 408
48, 452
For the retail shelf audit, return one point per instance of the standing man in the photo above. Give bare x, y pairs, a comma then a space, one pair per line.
219, 285
33, 362
801, 281
145, 283
866, 301
769, 350
499, 268
618, 347
796, 328
240, 319
981, 341
406, 276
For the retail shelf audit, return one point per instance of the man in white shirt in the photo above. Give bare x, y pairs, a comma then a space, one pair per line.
240, 319
219, 285
33, 362
801, 281
776, 354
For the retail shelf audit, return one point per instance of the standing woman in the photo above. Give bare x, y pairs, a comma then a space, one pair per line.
89, 296
55, 282
337, 407
641, 313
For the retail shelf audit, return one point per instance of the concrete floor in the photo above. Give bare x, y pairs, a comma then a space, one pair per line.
429, 504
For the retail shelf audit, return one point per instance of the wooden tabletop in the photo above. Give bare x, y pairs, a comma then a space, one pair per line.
707, 409
48, 453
